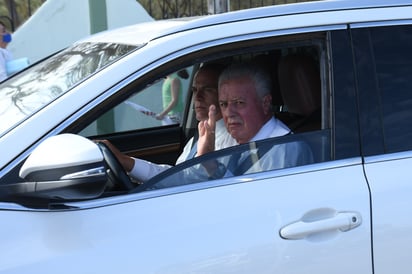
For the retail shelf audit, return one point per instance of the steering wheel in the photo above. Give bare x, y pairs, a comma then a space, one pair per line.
117, 174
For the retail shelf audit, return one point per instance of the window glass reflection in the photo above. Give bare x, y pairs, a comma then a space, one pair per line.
23, 95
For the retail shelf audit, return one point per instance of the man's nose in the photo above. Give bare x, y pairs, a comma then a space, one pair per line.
232, 106
230, 110
197, 94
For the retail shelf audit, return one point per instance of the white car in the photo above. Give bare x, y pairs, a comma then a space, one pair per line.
342, 82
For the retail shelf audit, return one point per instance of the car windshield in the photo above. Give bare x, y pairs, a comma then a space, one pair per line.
34, 88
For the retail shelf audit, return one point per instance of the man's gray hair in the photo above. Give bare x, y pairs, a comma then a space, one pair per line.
259, 76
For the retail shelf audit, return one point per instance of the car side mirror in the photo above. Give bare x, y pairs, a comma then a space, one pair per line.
63, 167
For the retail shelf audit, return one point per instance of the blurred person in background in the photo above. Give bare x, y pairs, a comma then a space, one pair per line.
172, 95
5, 54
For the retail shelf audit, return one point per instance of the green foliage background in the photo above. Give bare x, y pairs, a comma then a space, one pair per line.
160, 9
17, 11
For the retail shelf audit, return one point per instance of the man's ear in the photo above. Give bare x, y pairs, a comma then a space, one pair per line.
267, 103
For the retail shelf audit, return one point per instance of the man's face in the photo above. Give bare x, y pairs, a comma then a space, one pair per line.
205, 93
243, 112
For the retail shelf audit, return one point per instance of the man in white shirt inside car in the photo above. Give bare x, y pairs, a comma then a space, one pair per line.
246, 105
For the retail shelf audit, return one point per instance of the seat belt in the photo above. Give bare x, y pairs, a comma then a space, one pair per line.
248, 163
193, 149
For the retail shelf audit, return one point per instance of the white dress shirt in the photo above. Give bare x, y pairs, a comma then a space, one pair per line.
144, 170
280, 155
272, 128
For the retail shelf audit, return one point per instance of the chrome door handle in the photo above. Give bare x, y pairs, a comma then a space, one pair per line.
342, 221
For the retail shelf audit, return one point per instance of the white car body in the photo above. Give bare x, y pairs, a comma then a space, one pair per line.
348, 215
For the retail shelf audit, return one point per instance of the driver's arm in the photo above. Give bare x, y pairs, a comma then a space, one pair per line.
143, 170
126, 161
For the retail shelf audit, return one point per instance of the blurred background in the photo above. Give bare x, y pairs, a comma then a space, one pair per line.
42, 27
15, 12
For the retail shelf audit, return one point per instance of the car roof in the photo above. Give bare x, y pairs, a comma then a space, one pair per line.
142, 33
135, 34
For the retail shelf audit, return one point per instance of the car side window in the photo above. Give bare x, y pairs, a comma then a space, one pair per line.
269, 154
393, 62
160, 104
386, 91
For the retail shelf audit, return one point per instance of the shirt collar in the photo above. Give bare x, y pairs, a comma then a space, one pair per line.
271, 128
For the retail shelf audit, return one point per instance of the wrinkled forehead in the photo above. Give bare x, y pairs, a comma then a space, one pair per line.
237, 88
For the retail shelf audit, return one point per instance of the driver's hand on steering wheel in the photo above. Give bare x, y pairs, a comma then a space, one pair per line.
126, 161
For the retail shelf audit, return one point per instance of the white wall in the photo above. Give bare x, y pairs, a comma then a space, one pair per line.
58, 23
